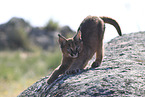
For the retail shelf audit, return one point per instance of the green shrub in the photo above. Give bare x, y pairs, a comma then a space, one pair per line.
18, 39
52, 25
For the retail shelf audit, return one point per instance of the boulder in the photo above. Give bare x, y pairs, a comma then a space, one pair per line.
122, 73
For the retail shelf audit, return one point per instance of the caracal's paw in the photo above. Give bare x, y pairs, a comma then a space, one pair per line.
49, 81
74, 71
95, 64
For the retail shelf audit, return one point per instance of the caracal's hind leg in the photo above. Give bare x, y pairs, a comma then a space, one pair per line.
99, 55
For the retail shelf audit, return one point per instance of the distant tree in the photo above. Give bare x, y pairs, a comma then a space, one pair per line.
51, 25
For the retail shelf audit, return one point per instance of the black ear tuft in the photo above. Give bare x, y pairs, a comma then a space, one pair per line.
59, 35
62, 40
78, 36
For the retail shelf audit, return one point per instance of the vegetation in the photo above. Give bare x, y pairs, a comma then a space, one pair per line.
23, 60
18, 40
52, 25
20, 69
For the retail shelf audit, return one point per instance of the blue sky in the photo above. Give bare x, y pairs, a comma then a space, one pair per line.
130, 14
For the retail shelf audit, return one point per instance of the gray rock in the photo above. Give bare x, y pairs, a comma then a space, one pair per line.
122, 73
13, 34
66, 31
19, 34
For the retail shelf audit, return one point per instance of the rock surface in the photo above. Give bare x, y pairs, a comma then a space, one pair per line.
122, 73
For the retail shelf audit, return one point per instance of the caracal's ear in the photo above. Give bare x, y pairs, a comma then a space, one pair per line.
78, 36
62, 40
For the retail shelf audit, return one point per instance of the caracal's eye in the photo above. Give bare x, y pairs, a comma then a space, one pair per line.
68, 49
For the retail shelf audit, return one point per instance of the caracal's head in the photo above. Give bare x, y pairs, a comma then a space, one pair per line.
71, 47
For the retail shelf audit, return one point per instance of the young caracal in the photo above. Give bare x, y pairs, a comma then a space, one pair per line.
77, 51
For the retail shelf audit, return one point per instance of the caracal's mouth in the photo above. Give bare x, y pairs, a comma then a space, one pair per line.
73, 55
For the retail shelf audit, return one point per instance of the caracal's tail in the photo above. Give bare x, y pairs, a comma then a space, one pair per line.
112, 22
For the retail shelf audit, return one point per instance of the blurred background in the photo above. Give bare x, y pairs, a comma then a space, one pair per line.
28, 34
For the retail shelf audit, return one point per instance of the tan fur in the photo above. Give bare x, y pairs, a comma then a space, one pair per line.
77, 51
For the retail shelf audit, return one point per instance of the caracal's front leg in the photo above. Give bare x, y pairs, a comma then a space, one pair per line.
58, 71
61, 69
77, 65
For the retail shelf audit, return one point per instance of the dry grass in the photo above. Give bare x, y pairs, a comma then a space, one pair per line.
19, 70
